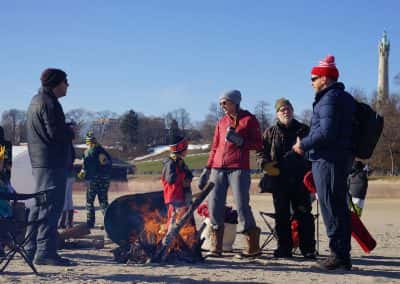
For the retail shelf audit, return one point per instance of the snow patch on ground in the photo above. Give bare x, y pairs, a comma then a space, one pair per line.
163, 148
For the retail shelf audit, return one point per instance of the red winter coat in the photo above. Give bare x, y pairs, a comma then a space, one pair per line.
225, 154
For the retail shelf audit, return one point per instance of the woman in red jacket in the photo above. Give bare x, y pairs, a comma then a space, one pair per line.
235, 135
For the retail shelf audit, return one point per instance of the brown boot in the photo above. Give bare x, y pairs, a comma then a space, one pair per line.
253, 242
216, 240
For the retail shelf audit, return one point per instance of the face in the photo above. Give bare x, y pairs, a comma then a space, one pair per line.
318, 82
61, 89
285, 114
228, 107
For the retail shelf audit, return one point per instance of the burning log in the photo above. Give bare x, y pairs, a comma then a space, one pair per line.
173, 233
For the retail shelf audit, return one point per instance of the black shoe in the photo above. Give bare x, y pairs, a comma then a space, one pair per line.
334, 262
55, 261
310, 255
279, 253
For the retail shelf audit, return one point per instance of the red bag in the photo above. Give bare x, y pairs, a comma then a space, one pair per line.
295, 233
308, 181
361, 234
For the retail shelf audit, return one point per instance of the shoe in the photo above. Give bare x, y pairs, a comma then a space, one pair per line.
310, 255
278, 253
334, 262
55, 261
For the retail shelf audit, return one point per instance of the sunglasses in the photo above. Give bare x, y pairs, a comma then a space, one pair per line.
223, 103
314, 78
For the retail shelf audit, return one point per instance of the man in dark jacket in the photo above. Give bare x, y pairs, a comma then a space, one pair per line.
329, 147
235, 135
289, 193
49, 139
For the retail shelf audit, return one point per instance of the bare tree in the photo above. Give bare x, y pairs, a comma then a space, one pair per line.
305, 116
263, 115
358, 94
14, 124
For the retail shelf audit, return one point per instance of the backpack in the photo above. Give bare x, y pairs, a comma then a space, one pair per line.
367, 129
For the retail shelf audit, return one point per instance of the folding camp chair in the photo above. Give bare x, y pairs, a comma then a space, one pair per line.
12, 229
271, 232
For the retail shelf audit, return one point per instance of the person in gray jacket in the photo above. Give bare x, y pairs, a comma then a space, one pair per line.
49, 139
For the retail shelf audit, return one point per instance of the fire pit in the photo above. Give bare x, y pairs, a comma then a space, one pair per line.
138, 224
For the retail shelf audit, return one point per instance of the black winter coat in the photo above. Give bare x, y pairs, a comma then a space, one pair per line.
49, 138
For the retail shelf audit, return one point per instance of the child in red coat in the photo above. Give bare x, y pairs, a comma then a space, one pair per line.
176, 179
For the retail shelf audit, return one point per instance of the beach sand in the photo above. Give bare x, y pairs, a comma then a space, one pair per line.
381, 215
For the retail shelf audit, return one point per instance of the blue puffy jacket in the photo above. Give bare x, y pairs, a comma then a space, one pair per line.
331, 125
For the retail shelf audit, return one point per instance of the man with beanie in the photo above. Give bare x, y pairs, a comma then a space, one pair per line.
228, 165
96, 169
289, 193
49, 140
329, 148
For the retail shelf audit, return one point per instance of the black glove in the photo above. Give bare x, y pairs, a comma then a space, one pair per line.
42, 198
234, 137
204, 177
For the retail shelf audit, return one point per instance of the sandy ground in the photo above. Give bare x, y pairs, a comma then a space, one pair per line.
97, 266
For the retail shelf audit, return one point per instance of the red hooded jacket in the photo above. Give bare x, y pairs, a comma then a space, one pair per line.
225, 154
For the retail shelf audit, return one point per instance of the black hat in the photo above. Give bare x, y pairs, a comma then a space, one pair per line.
179, 144
51, 77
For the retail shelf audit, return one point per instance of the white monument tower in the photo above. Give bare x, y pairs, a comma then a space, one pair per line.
383, 71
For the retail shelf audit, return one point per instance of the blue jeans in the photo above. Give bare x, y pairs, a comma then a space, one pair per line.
239, 180
331, 182
43, 241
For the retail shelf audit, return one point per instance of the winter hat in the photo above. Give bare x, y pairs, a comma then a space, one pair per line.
51, 77
233, 96
326, 67
179, 144
90, 139
282, 102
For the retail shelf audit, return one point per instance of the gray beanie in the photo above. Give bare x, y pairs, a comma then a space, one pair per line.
233, 96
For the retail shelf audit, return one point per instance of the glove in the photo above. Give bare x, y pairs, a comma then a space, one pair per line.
234, 137
2, 152
81, 174
271, 169
41, 198
204, 177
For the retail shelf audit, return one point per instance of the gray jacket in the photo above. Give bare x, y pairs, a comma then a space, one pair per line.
49, 138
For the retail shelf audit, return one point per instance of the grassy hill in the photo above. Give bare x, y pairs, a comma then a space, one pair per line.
153, 165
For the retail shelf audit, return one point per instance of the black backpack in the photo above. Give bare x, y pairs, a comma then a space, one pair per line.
367, 129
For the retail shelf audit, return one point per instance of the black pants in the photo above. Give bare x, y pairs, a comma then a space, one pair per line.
293, 200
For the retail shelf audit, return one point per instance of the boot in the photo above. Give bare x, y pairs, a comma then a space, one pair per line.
70, 223
216, 241
253, 242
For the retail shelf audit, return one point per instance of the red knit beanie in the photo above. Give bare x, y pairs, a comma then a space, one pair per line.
326, 67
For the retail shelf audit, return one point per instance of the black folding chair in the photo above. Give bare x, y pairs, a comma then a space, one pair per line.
12, 229
271, 232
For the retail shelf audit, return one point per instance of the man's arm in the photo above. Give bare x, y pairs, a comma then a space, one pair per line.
254, 140
214, 146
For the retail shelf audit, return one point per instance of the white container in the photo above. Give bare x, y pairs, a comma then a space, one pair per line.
228, 240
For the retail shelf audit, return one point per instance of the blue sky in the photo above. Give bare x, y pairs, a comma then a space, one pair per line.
157, 56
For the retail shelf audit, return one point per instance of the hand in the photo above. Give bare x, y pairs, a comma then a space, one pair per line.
204, 177
297, 147
271, 169
81, 174
187, 182
234, 137
2, 151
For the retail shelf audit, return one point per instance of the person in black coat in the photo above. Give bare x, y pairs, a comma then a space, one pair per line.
49, 140
291, 198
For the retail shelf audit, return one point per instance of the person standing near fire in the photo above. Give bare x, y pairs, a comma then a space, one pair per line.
288, 192
96, 170
228, 165
176, 179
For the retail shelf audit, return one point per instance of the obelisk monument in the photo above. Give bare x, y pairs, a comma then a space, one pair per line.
383, 71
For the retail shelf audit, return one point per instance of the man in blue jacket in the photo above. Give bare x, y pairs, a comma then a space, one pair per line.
329, 147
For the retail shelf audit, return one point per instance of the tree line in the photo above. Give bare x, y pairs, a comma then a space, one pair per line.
133, 133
